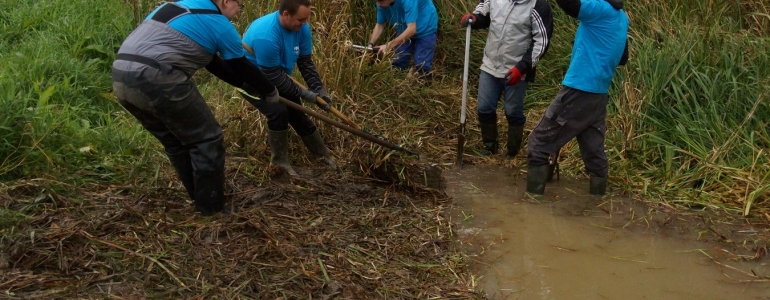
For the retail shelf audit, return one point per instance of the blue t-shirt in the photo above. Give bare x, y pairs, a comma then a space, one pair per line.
403, 12
274, 46
213, 32
599, 44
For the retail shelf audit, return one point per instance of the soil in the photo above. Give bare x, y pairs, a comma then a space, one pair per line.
382, 231
322, 235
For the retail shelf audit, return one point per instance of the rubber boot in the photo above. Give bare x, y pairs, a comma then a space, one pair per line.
514, 140
279, 150
209, 194
315, 144
598, 186
184, 170
536, 179
489, 138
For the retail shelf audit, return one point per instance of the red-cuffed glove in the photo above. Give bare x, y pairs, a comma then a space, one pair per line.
467, 19
513, 75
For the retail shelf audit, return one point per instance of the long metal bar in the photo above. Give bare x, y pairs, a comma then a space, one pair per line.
463, 110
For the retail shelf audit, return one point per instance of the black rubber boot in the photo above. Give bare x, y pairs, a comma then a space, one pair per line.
279, 150
598, 186
184, 170
208, 160
209, 194
315, 144
514, 140
536, 179
489, 138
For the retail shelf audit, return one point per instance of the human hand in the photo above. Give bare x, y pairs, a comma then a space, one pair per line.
308, 96
381, 49
513, 75
467, 19
325, 96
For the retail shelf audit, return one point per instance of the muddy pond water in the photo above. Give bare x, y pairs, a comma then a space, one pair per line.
570, 245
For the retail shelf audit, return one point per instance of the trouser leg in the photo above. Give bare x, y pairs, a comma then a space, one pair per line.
490, 89
591, 143
177, 115
570, 114
316, 145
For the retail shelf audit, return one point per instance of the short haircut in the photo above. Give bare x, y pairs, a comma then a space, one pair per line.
292, 6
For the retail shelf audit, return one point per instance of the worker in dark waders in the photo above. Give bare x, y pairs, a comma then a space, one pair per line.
580, 108
151, 79
279, 41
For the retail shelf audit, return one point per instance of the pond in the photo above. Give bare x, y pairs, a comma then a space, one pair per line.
567, 244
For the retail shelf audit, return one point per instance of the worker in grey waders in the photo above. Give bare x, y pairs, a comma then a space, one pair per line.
151, 79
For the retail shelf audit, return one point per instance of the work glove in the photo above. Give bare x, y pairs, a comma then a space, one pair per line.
467, 19
617, 4
309, 96
324, 95
513, 75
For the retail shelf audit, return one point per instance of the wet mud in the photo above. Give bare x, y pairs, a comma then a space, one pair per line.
567, 244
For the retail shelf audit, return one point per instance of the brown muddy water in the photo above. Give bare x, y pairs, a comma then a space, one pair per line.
570, 245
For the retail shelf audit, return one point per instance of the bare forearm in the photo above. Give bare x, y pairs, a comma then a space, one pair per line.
411, 30
376, 33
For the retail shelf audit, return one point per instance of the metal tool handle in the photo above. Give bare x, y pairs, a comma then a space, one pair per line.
463, 110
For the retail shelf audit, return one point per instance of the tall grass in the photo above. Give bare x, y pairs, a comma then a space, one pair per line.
59, 118
696, 132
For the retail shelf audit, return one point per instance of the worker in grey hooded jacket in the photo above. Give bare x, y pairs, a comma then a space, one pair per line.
519, 35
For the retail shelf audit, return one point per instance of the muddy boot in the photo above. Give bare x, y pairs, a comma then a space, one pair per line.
536, 178
279, 150
489, 138
209, 192
184, 170
514, 140
598, 186
315, 144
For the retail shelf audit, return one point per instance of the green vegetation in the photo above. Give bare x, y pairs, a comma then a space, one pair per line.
59, 119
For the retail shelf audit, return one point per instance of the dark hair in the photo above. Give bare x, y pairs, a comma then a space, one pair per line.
292, 6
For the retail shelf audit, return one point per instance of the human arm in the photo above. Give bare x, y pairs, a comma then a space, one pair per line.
310, 74
570, 7
252, 80
408, 33
376, 32
221, 70
232, 66
542, 31
480, 15
624, 58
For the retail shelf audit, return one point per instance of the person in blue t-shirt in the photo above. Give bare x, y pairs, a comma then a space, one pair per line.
276, 43
580, 108
416, 23
151, 79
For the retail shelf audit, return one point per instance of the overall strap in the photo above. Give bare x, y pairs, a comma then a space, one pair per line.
170, 11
